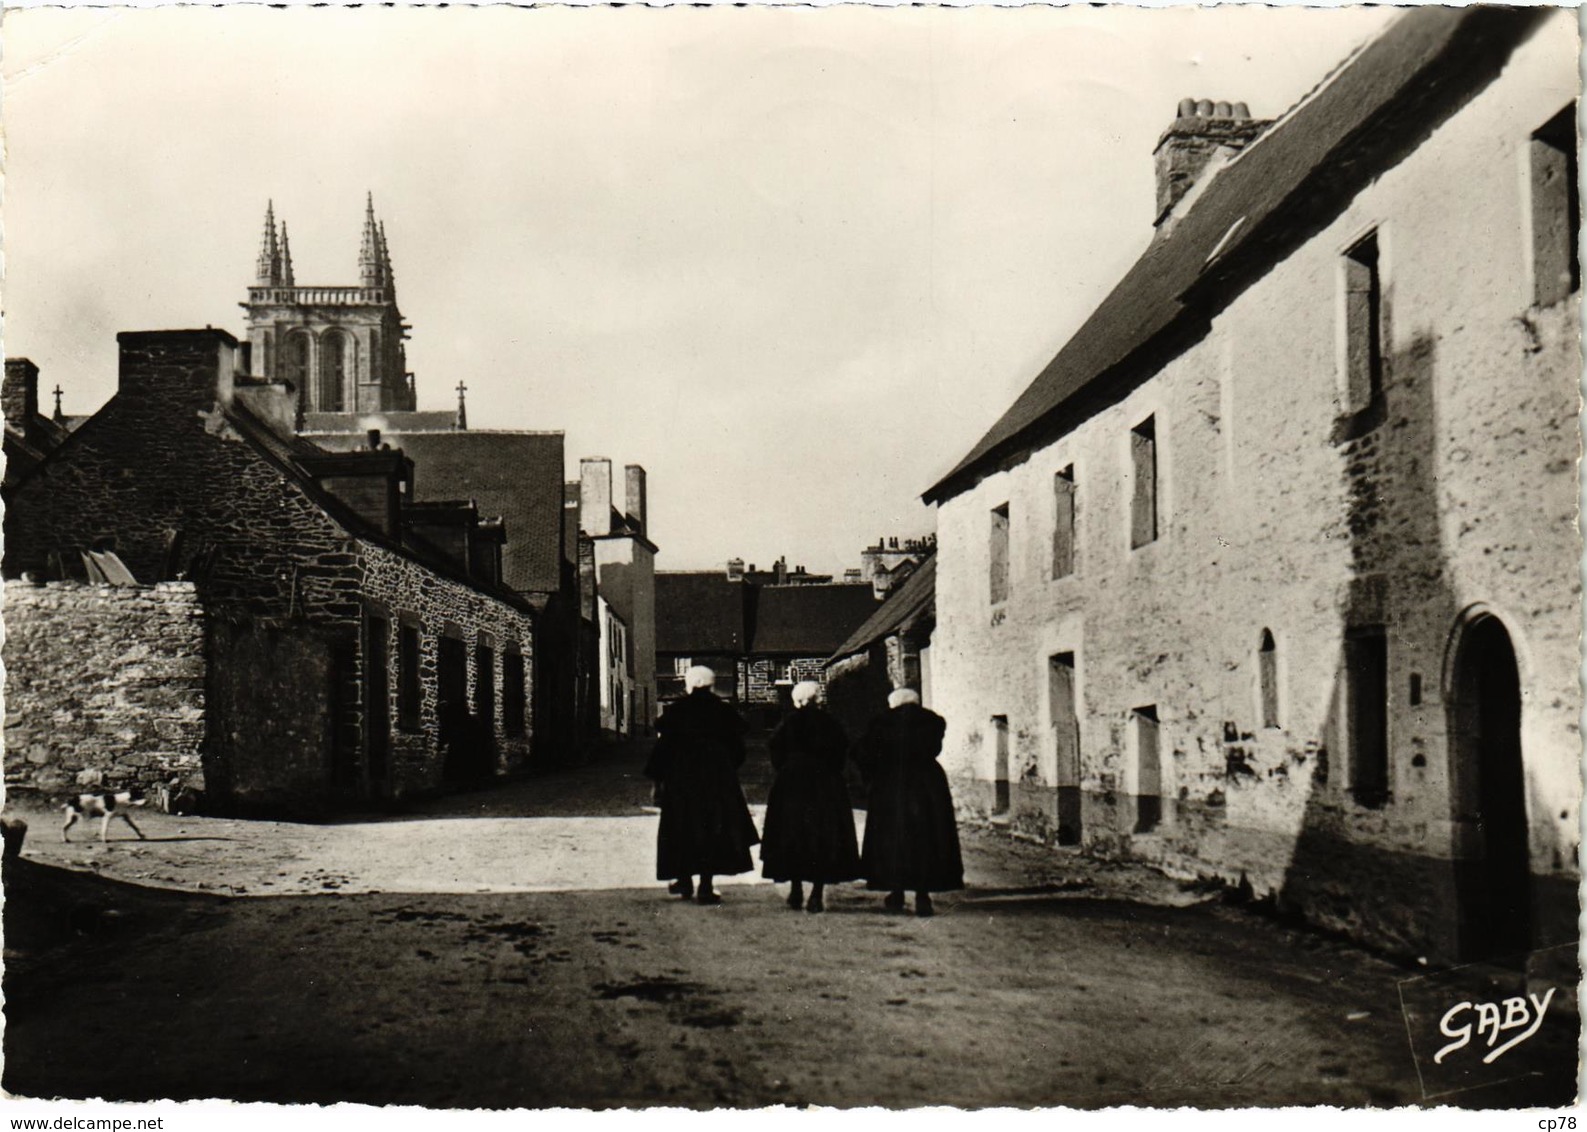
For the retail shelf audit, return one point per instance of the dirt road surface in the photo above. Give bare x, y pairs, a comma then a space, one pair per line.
487, 960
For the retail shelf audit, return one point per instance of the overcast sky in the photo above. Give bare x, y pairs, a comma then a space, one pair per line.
794, 261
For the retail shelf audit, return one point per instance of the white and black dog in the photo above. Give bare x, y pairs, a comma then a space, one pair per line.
107, 805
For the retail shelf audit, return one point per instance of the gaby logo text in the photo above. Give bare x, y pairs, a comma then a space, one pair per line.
1490, 1020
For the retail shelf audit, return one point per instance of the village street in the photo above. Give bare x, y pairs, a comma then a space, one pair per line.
461, 957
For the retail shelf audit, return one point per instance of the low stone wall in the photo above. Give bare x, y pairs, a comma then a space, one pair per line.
106, 679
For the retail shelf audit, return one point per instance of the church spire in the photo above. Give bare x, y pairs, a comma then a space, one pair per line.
369, 272
286, 259
269, 250
388, 276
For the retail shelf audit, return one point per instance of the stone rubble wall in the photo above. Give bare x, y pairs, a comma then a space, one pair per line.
107, 680
1277, 512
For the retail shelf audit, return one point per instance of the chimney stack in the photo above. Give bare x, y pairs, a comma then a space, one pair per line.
595, 496
20, 397
178, 371
1202, 133
735, 569
635, 483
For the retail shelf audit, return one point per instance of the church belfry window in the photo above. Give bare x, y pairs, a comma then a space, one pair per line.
295, 367
334, 359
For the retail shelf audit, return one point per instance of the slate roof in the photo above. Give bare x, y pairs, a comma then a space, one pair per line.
1314, 158
700, 613
424, 420
808, 620
288, 452
515, 475
917, 596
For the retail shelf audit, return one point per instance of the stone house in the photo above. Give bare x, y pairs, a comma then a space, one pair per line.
29, 434
621, 584
513, 476
892, 649
342, 347
1273, 573
887, 564
702, 617
618, 700
356, 645
759, 639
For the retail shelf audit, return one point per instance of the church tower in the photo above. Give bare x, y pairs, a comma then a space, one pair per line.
340, 347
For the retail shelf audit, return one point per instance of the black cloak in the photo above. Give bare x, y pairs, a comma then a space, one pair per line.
809, 821
705, 826
911, 836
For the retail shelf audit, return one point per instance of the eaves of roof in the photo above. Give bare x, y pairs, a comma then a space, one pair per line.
1284, 185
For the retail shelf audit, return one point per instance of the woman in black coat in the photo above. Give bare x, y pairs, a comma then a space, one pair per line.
705, 830
911, 836
809, 822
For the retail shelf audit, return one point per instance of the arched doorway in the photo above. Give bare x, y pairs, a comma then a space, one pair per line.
1493, 876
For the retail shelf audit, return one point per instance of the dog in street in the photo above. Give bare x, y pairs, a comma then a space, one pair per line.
113, 804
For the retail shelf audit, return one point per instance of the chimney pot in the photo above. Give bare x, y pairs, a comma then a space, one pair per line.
1215, 133
1187, 108
595, 496
21, 401
635, 497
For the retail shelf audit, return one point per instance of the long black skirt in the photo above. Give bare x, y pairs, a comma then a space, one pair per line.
706, 828
809, 827
911, 835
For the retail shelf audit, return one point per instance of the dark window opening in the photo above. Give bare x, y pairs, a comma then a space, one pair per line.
1148, 770
999, 568
513, 693
1556, 210
1143, 464
1000, 789
1367, 714
1064, 707
1063, 532
1363, 326
1267, 669
409, 691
